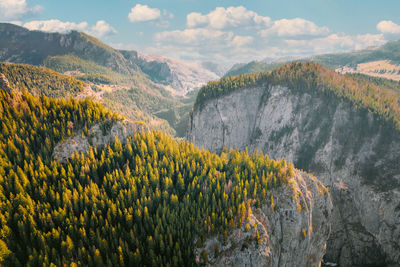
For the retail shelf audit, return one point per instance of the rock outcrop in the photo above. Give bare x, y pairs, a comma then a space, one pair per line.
292, 231
99, 135
4, 84
350, 150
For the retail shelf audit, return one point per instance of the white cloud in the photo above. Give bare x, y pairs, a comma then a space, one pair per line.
334, 43
194, 37
55, 25
294, 27
240, 41
202, 44
140, 13
231, 17
388, 27
15, 9
219, 36
101, 28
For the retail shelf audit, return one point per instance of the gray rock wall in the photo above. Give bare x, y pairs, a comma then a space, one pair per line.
292, 234
349, 150
97, 137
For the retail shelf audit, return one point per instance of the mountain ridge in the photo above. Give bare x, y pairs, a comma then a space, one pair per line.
294, 113
382, 61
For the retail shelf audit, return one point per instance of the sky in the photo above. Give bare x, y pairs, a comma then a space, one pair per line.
221, 31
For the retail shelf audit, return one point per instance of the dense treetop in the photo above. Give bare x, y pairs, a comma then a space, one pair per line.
145, 202
39, 80
378, 96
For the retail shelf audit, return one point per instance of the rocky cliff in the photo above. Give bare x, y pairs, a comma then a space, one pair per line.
355, 153
99, 135
290, 230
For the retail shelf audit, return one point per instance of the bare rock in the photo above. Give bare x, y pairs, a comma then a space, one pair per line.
99, 135
348, 149
294, 233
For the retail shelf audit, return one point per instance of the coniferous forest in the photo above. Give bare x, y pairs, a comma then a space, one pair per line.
144, 202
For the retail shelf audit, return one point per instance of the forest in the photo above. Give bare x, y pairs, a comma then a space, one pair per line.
378, 96
145, 201
39, 80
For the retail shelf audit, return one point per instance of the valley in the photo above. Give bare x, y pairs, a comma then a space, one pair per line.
154, 89
121, 158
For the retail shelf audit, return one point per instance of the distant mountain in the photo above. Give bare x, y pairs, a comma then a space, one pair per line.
80, 52
20, 45
214, 67
141, 87
383, 61
181, 76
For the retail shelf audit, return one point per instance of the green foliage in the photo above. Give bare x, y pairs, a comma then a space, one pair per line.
252, 67
4, 252
87, 70
141, 203
140, 104
39, 80
378, 96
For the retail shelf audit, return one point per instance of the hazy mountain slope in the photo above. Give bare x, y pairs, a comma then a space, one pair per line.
389, 51
383, 61
159, 83
19, 45
144, 199
344, 129
181, 76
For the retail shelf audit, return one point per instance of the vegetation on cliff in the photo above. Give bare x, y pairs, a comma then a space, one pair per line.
378, 96
143, 203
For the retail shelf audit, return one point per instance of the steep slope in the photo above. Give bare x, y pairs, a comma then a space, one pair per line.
19, 45
343, 129
277, 233
113, 75
143, 200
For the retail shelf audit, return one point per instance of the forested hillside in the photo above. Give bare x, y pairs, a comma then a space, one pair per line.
379, 96
123, 81
143, 203
252, 67
39, 80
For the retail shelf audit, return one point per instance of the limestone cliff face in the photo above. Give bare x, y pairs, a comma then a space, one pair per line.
99, 135
349, 150
291, 232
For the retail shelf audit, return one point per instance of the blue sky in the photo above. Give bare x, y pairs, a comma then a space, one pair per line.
224, 31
